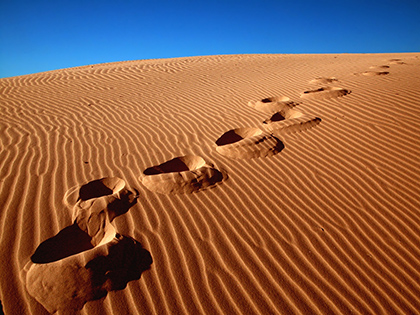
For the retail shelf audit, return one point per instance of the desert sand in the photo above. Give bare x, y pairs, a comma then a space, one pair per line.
234, 184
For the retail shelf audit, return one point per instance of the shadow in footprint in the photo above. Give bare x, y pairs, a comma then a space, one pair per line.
323, 80
184, 174
373, 73
272, 104
325, 92
275, 117
69, 241
88, 258
100, 187
125, 262
290, 121
235, 135
66, 285
248, 143
174, 165
73, 239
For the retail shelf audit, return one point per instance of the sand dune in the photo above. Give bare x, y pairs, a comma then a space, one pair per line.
241, 184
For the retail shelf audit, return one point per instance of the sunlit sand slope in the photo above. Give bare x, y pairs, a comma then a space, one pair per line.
242, 184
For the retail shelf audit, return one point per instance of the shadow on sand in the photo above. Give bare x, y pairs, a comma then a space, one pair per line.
88, 258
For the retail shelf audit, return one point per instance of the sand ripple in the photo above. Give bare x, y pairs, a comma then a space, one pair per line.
324, 221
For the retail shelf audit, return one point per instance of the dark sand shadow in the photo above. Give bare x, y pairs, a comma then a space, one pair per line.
67, 270
172, 166
73, 239
248, 143
229, 137
125, 262
183, 174
100, 187
69, 241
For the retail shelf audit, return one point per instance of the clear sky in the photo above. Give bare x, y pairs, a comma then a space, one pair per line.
39, 35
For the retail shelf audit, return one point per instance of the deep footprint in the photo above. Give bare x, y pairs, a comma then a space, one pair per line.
290, 121
379, 67
284, 114
396, 61
67, 284
185, 174
373, 73
93, 189
272, 104
88, 258
322, 80
248, 143
101, 187
325, 92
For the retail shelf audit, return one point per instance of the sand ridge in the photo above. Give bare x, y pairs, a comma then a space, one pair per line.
316, 209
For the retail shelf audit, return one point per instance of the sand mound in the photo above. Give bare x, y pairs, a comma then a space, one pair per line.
248, 143
185, 174
322, 80
325, 92
328, 225
272, 104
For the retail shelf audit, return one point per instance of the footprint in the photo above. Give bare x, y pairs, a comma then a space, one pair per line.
67, 284
379, 67
286, 113
396, 61
272, 104
101, 187
185, 174
248, 143
93, 189
88, 258
373, 73
322, 80
325, 92
290, 121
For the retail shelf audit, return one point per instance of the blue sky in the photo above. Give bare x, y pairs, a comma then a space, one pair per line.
37, 35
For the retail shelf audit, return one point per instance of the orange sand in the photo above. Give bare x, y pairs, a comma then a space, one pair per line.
309, 202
